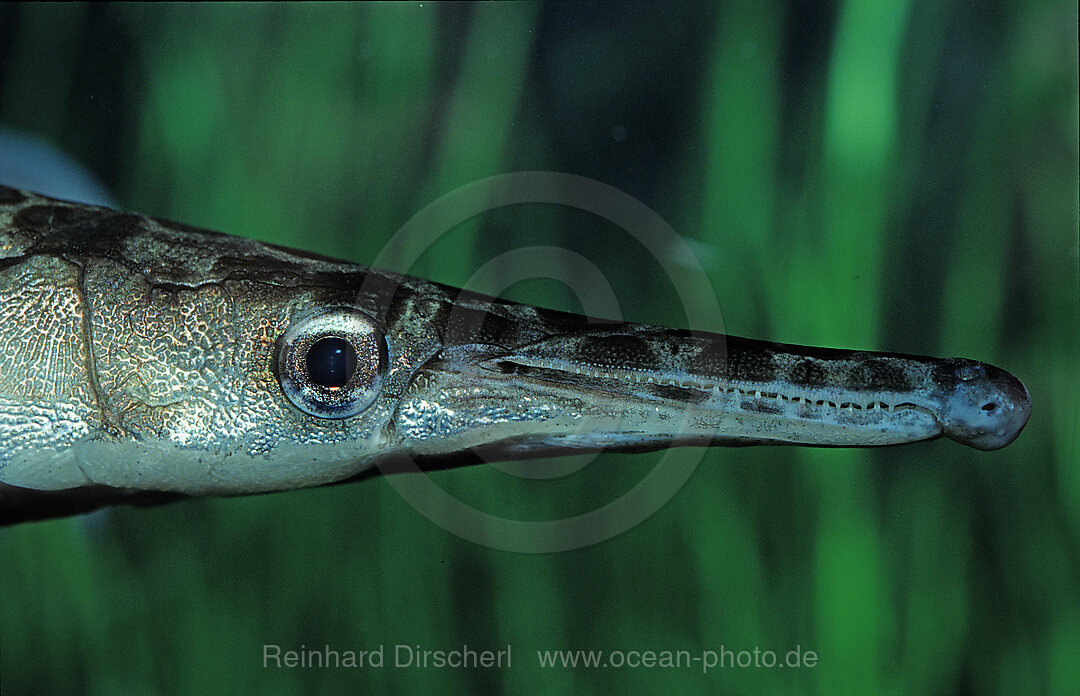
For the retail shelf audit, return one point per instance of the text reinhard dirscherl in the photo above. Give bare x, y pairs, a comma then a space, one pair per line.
466, 657
399, 655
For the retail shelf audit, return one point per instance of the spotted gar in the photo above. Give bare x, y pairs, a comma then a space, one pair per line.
142, 358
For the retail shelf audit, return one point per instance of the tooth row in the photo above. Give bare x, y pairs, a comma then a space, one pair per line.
712, 387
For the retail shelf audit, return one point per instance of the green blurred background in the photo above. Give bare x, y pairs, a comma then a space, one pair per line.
860, 173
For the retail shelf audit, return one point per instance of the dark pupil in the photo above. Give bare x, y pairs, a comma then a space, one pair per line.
331, 361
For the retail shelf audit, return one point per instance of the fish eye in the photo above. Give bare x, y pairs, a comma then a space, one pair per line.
331, 362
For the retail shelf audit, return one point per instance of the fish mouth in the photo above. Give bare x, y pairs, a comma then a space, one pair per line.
632, 388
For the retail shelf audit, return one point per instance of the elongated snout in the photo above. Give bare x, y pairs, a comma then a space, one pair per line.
632, 387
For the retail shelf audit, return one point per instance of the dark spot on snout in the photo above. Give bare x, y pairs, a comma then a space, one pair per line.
807, 373
619, 351
873, 374
752, 367
731, 357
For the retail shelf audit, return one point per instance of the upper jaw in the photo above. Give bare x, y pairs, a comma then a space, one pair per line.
635, 387
626, 387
